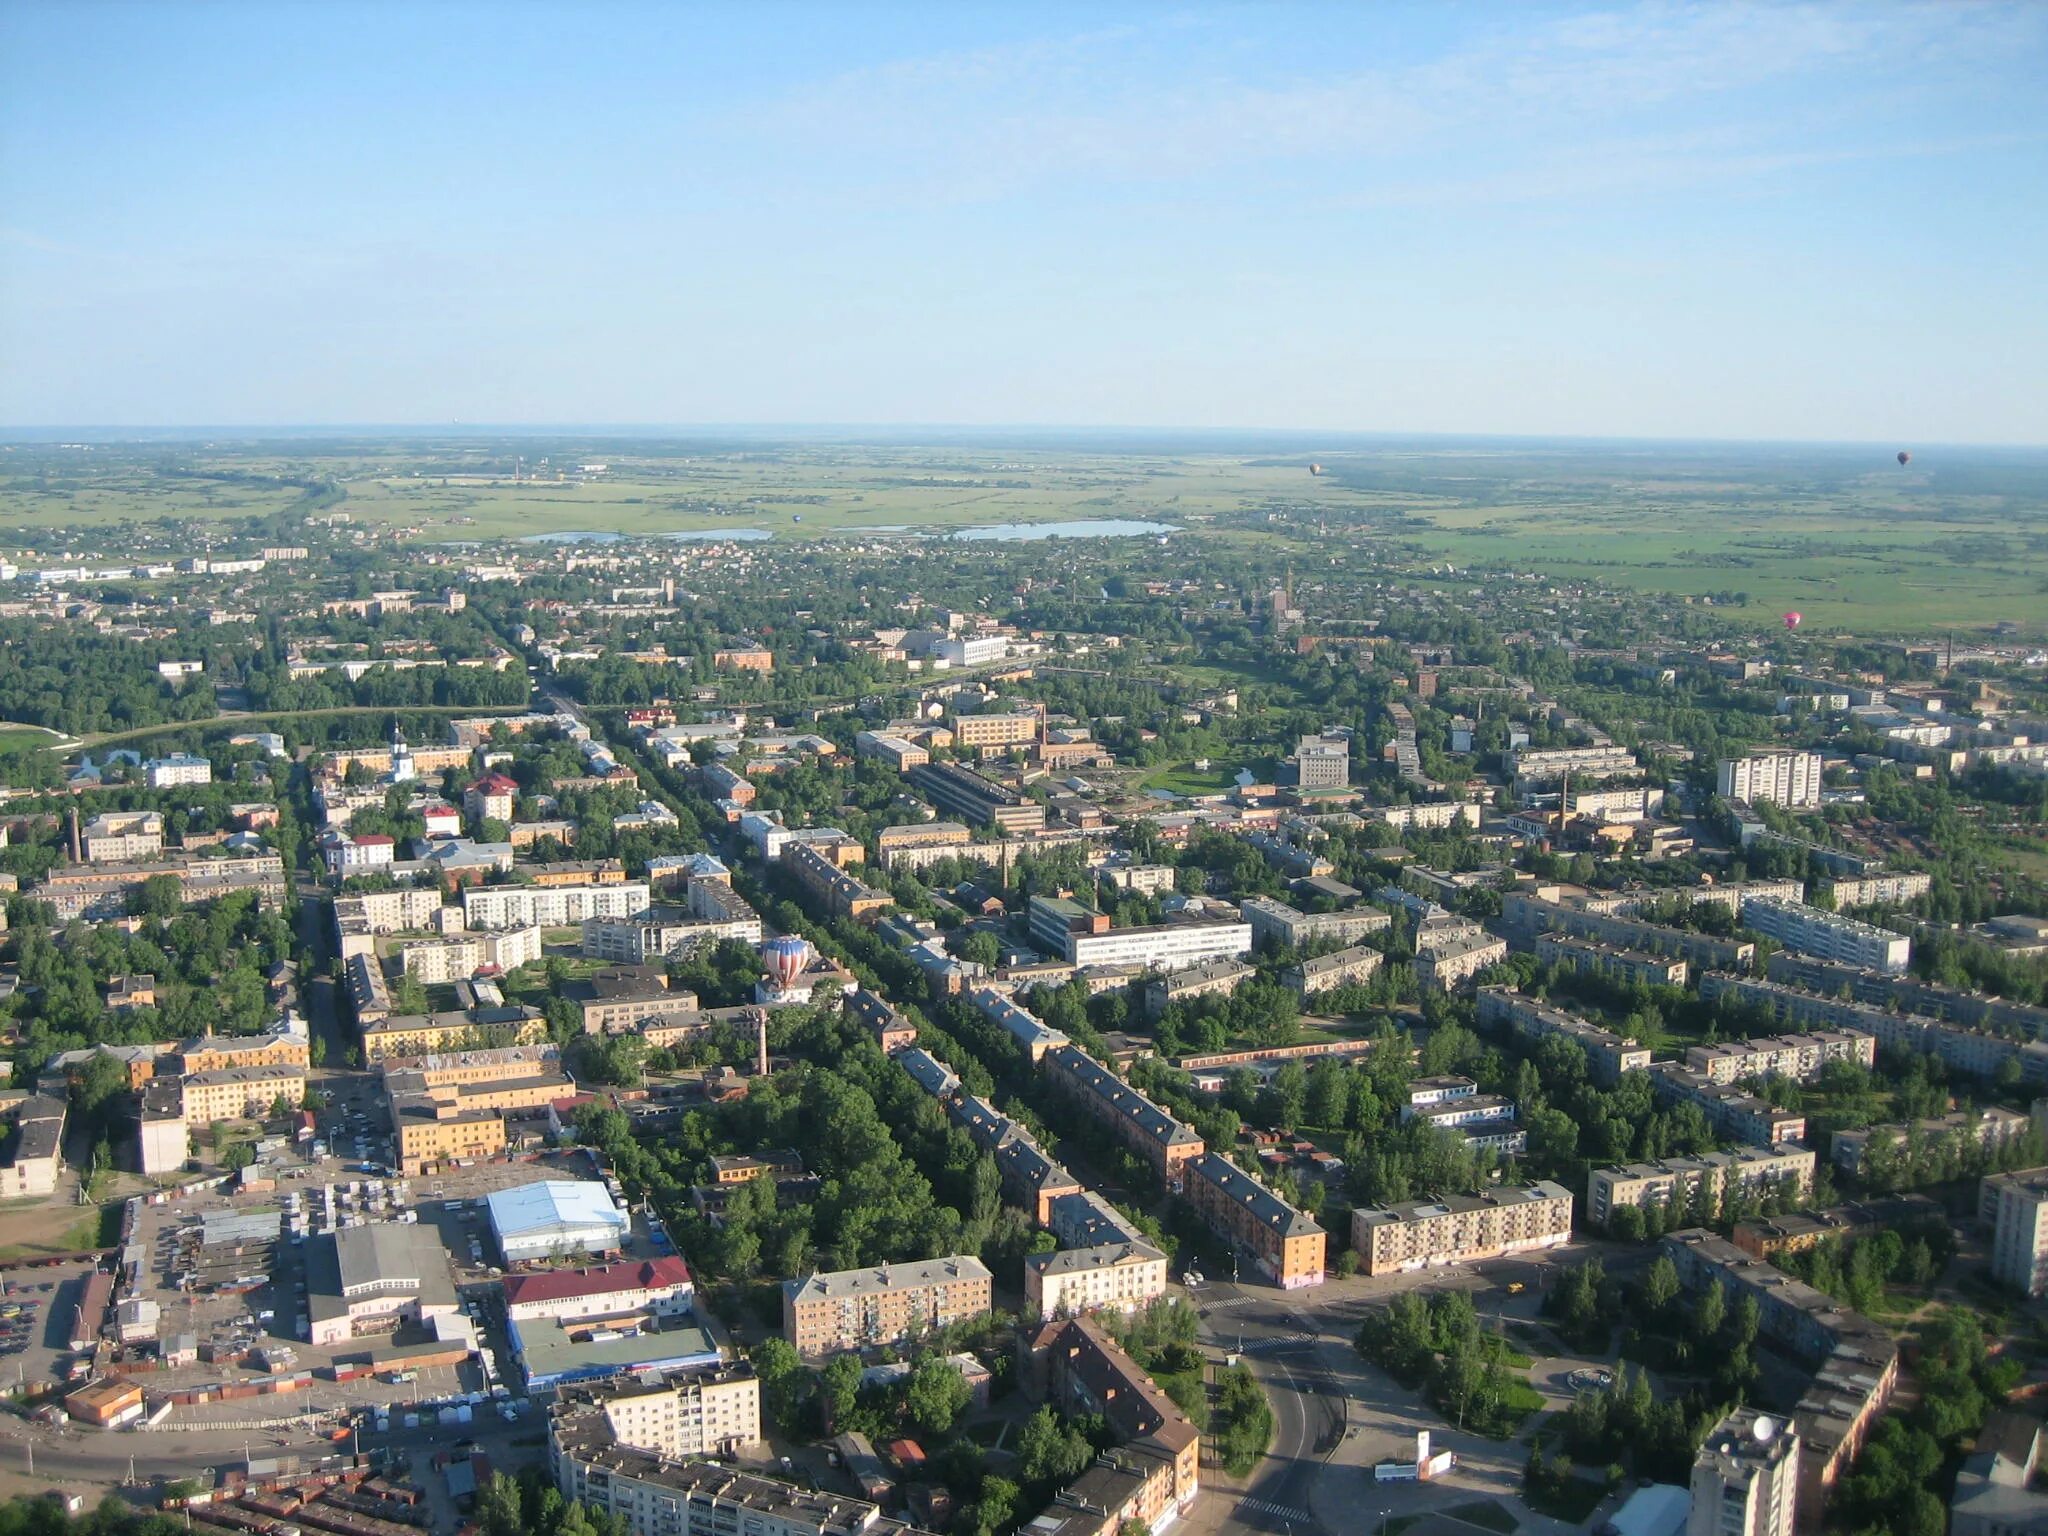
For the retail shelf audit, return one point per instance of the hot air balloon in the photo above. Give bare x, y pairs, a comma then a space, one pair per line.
784, 959
1905, 457
1791, 621
1315, 469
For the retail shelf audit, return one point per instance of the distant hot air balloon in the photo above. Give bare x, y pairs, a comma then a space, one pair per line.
1791, 621
784, 959
1905, 457
1315, 469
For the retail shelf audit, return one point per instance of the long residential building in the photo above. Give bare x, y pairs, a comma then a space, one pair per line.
557, 906
1909, 994
413, 1034
829, 1313
1031, 1180
1218, 978
1799, 1057
1160, 1141
1733, 1113
1104, 1260
656, 1495
1340, 968
1287, 1247
1827, 934
1675, 1182
1532, 915
713, 913
1989, 1130
1856, 1362
1634, 966
1428, 1234
99, 891
1608, 1054
1282, 924
1586, 765
1975, 1052
1033, 1035
842, 894
1882, 890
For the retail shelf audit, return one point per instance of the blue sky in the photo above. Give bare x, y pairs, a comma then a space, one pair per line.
1659, 220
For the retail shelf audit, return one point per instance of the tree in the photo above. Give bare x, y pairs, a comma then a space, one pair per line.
936, 1395
1050, 1454
1660, 1285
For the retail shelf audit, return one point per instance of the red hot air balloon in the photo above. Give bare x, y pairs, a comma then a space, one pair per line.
1791, 621
1905, 457
784, 959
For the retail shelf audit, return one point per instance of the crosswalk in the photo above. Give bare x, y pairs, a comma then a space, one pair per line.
1277, 1511
1286, 1341
1230, 1301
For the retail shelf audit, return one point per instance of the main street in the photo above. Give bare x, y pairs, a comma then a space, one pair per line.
1335, 1417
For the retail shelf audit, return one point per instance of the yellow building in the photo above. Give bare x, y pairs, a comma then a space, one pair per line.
413, 1034
431, 1133
235, 1092
219, 1053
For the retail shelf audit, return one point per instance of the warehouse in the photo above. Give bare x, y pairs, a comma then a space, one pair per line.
556, 1219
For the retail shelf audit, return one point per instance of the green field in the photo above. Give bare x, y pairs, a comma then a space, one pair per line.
1844, 535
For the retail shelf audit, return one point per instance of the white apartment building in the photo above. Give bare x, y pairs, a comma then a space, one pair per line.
122, 837
1826, 935
1799, 1057
1745, 1480
2017, 1204
460, 956
551, 906
702, 1413
1673, 1181
1890, 890
1426, 1234
1162, 946
1074, 1280
1777, 777
177, 769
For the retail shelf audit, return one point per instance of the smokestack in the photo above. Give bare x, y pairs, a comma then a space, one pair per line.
77, 857
761, 1042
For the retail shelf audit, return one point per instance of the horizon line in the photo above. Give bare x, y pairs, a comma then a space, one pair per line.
15, 433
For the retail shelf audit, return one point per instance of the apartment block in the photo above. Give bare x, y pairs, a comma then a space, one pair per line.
1799, 1057
696, 1413
828, 1314
1729, 1110
1125, 1275
1341, 968
1745, 1477
898, 752
1778, 777
458, 957
1634, 967
1219, 978
1608, 1054
1323, 762
1532, 914
233, 1093
841, 894
1277, 922
1445, 964
560, 906
1161, 1141
1826, 934
1674, 1182
1160, 946
2018, 1207
1428, 1234
1285, 1245
654, 1495
1988, 1130
1975, 1051
1032, 1034
1892, 890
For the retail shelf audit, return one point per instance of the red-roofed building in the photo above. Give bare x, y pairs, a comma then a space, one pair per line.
490, 798
607, 1290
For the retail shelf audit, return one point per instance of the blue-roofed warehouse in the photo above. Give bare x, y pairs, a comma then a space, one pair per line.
556, 1219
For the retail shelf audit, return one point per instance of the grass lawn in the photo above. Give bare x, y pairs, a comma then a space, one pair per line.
1216, 779
1485, 1514
1573, 1502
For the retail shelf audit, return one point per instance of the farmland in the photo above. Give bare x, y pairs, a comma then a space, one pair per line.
1845, 535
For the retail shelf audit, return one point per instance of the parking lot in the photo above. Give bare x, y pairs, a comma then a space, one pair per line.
35, 1341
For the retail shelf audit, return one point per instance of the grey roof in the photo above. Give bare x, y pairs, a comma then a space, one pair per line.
1267, 1208
888, 1277
391, 1256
